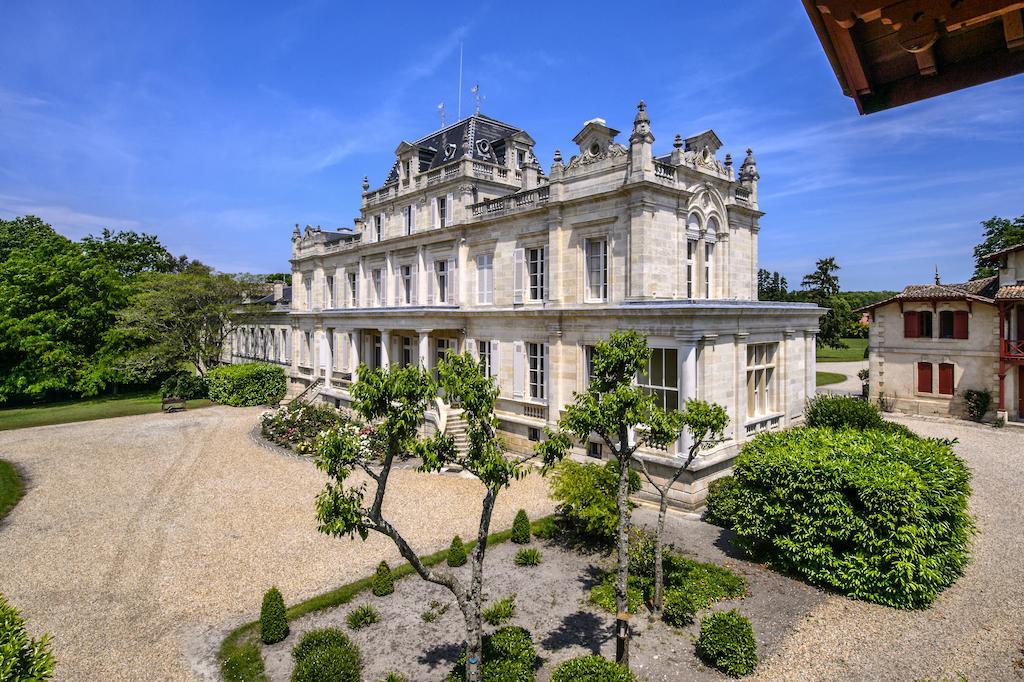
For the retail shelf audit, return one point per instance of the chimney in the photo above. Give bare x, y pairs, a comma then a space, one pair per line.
278, 291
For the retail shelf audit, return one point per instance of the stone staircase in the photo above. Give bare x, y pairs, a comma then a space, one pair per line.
455, 427
308, 394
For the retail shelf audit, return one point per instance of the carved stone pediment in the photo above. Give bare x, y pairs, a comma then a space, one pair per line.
587, 157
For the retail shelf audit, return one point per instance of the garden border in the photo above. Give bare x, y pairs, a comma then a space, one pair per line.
20, 488
240, 648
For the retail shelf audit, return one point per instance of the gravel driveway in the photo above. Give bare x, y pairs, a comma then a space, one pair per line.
849, 386
142, 537
975, 628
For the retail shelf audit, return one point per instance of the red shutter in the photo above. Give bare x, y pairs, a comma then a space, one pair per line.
946, 379
924, 377
911, 324
960, 320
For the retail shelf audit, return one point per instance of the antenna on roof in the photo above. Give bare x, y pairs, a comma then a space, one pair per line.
460, 80
440, 107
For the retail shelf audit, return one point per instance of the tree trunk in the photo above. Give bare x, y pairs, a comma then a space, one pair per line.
622, 569
474, 642
471, 612
659, 570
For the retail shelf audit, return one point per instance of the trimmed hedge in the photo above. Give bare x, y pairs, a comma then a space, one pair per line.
383, 582
521, 528
21, 656
509, 656
457, 552
726, 642
184, 385
837, 411
247, 385
273, 617
876, 514
591, 669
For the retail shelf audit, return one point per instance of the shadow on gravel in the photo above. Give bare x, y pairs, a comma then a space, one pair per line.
441, 655
725, 542
582, 629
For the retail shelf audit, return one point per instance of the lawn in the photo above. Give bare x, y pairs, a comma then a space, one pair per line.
84, 410
11, 488
852, 354
827, 378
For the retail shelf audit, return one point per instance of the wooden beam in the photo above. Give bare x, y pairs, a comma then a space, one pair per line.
1013, 29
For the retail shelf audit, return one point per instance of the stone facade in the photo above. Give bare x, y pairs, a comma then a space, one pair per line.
469, 246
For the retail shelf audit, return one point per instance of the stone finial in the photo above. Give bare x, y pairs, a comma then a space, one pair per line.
678, 141
728, 160
748, 171
641, 126
558, 156
366, 183
295, 233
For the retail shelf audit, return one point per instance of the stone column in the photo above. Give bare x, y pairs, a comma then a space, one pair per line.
354, 343
424, 348
687, 372
555, 375
421, 277
810, 341
329, 345
740, 369
385, 348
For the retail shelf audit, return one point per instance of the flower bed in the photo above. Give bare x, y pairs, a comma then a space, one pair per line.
298, 424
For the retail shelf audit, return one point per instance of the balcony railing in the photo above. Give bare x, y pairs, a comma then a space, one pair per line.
664, 170
509, 202
1013, 350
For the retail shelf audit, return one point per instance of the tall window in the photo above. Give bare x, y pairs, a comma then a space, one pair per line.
761, 378
691, 257
709, 254
378, 227
535, 268
442, 211
377, 357
329, 291
442, 347
406, 351
588, 365
597, 269
484, 349
441, 272
945, 378
953, 324
917, 323
407, 284
353, 290
485, 279
378, 294
407, 219
924, 377
306, 349
662, 378
307, 285
536, 354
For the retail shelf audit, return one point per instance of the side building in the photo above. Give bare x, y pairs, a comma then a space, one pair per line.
469, 246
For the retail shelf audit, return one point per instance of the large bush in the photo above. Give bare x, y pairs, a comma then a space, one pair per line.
586, 496
323, 638
297, 424
509, 656
720, 503
726, 642
21, 656
876, 514
326, 655
246, 385
273, 617
591, 669
837, 411
184, 385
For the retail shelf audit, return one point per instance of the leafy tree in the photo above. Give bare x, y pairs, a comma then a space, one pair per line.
823, 283
704, 422
626, 418
285, 277
23, 233
392, 402
131, 253
999, 234
771, 286
184, 317
822, 288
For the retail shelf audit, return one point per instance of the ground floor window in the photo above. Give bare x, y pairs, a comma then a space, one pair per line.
761, 359
442, 347
406, 351
486, 360
945, 379
662, 378
376, 352
594, 450
588, 366
536, 354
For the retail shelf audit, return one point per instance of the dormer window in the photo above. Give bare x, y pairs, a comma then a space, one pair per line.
595, 149
520, 158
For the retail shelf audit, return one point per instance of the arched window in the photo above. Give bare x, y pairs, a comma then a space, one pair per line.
692, 247
711, 235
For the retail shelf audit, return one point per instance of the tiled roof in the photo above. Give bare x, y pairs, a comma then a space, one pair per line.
983, 290
1003, 252
1011, 291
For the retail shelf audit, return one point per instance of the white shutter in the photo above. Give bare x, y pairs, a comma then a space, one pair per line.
495, 359
449, 208
414, 288
343, 352
549, 274
398, 286
470, 347
412, 217
453, 274
547, 374
518, 369
431, 284
433, 214
518, 274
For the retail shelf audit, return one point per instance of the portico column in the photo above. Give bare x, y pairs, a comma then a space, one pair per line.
385, 348
329, 346
424, 348
354, 342
810, 341
687, 359
552, 373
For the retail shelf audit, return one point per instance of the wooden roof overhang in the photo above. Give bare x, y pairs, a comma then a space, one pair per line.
887, 53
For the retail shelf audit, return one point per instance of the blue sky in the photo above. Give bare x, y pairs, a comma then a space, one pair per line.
218, 126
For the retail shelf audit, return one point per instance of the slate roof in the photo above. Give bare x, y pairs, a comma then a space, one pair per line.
286, 297
487, 137
982, 290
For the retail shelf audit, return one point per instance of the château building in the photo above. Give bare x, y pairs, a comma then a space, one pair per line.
468, 245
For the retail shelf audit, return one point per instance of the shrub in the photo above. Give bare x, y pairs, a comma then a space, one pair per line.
726, 642
436, 609
521, 528
297, 425
324, 638
586, 495
528, 556
395, 677
457, 552
247, 385
500, 611
337, 664
876, 515
591, 669
720, 504
602, 595
361, 616
184, 385
977, 404
680, 607
383, 582
547, 528
509, 656
838, 411
21, 656
273, 618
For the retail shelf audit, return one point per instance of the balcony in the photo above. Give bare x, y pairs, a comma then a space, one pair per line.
512, 202
481, 170
1012, 350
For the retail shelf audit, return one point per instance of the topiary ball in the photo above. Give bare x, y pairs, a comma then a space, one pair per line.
457, 552
322, 638
383, 582
334, 663
591, 669
273, 617
726, 642
521, 528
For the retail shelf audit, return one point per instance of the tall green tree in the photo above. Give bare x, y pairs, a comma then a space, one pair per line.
822, 288
392, 402
626, 418
132, 253
823, 283
771, 286
998, 234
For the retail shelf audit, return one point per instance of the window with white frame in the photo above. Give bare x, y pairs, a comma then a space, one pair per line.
376, 355
353, 290
378, 293
588, 365
661, 379
485, 278
441, 275
597, 269
407, 212
407, 357
407, 284
761, 358
709, 255
442, 211
307, 285
483, 348
329, 291
442, 347
535, 269
691, 257
378, 227
536, 356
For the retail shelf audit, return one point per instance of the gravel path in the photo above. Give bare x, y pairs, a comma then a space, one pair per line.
141, 537
849, 386
975, 628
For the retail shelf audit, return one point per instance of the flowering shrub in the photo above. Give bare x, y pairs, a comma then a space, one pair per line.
297, 425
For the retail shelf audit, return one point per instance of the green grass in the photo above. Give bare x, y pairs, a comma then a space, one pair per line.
84, 410
852, 354
240, 658
826, 378
11, 488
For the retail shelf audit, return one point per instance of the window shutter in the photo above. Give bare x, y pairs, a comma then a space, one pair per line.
431, 284
343, 352
549, 274
946, 379
470, 347
412, 217
924, 377
433, 214
414, 289
453, 276
960, 324
449, 206
518, 369
398, 285
495, 359
518, 274
547, 373
911, 324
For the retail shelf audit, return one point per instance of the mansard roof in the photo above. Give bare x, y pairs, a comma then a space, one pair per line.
486, 138
982, 290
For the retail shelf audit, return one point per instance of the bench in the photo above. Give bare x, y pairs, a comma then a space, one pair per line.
172, 403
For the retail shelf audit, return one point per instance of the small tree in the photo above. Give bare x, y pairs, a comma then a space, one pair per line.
704, 422
273, 617
626, 418
393, 401
521, 528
